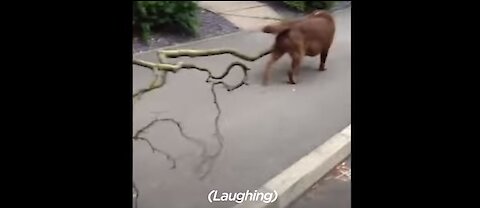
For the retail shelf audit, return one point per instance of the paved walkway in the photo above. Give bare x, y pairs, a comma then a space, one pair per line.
248, 15
253, 15
265, 129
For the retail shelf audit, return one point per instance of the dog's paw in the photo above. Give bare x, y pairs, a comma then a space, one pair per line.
264, 83
291, 80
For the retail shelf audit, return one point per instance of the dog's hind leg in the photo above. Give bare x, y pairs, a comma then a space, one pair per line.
296, 62
268, 69
323, 59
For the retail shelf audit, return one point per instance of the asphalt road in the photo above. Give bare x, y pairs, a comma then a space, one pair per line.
265, 129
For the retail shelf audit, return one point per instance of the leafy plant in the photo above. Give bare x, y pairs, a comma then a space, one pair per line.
308, 6
148, 15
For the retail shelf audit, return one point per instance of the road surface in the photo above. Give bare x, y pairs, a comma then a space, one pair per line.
265, 129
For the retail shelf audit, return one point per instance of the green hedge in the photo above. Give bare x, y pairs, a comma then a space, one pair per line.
308, 6
148, 15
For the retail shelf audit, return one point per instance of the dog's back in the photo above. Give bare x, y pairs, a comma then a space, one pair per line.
309, 36
316, 33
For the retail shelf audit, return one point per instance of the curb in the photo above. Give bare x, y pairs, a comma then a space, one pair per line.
296, 179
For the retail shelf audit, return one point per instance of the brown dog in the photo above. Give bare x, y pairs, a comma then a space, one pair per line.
309, 36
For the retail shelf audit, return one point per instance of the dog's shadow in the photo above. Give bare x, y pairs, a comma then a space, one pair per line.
279, 76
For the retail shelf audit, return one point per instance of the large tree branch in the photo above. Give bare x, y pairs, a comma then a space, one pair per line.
162, 68
161, 71
163, 55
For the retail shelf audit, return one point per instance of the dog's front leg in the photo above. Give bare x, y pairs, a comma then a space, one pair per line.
266, 75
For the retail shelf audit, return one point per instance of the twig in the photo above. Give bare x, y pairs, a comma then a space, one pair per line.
185, 136
207, 159
211, 158
219, 112
154, 149
229, 68
194, 140
137, 193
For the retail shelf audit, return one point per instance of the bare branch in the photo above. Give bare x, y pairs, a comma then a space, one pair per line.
187, 137
154, 149
162, 68
229, 68
218, 134
136, 194
162, 55
159, 81
209, 161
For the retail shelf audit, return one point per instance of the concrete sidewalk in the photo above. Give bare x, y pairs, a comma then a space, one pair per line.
266, 129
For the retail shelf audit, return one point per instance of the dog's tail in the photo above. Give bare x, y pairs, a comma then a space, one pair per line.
277, 28
283, 26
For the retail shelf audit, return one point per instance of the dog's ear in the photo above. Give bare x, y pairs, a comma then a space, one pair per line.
317, 12
321, 14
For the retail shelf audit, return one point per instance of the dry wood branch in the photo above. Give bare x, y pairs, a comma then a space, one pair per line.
161, 70
159, 80
163, 67
211, 77
179, 126
163, 55
157, 66
208, 161
194, 140
154, 149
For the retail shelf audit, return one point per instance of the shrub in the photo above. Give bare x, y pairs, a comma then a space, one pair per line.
308, 6
148, 15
